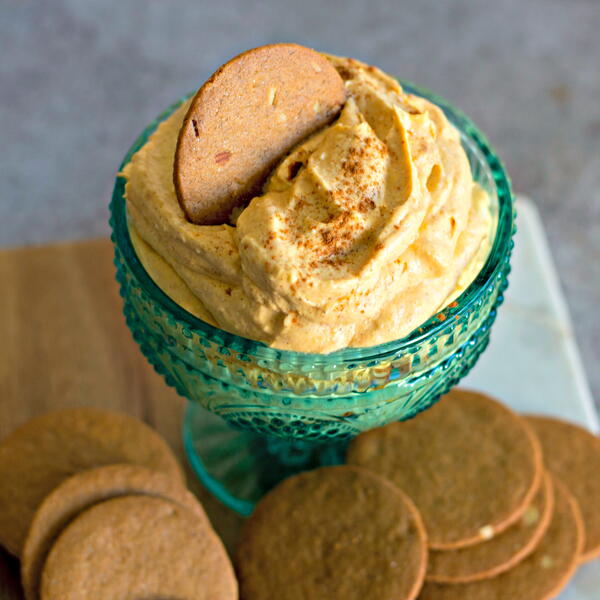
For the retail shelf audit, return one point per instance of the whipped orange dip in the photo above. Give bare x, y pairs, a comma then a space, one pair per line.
363, 232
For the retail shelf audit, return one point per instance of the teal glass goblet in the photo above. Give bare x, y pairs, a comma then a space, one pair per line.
256, 414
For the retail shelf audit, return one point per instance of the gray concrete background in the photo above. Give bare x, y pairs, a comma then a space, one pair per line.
79, 79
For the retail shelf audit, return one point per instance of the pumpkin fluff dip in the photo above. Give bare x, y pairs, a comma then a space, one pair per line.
357, 234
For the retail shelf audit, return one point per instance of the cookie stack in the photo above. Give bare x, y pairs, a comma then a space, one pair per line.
483, 504
498, 505
95, 505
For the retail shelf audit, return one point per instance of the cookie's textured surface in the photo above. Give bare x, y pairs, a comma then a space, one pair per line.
542, 575
336, 532
80, 492
43, 452
573, 455
138, 547
469, 463
244, 119
503, 551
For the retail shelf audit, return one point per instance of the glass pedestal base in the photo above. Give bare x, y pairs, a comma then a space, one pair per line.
239, 467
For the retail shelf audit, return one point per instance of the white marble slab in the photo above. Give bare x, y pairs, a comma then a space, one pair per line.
533, 363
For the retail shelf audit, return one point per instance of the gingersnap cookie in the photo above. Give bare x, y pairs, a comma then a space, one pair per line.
43, 452
470, 465
83, 490
244, 119
335, 532
542, 575
503, 551
138, 547
573, 455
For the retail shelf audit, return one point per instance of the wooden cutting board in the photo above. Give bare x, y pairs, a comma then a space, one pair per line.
65, 343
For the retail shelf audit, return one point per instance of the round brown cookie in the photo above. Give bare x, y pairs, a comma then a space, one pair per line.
83, 490
40, 454
135, 547
542, 575
470, 465
573, 455
336, 532
502, 552
244, 119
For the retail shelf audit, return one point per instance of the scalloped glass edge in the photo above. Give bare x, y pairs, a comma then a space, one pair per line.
495, 263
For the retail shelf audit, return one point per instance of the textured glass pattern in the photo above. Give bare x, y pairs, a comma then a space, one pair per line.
310, 396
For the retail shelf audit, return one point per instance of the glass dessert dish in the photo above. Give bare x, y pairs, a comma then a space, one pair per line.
256, 414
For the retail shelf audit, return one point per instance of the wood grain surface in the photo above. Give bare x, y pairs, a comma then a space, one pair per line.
65, 343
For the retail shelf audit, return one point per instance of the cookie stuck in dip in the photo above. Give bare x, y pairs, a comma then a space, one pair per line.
244, 120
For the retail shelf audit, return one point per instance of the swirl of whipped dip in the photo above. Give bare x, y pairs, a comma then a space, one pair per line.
364, 231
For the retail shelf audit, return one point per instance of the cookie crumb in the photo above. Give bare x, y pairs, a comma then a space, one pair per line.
272, 96
222, 157
531, 516
487, 532
546, 562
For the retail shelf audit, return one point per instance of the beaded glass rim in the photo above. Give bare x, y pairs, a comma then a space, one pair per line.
433, 327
